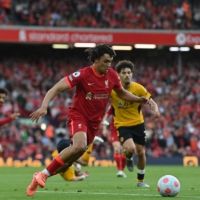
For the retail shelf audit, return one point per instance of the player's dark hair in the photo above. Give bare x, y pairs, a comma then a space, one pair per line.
124, 64
3, 91
98, 51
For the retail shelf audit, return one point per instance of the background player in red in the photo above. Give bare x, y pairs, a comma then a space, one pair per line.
13, 116
120, 159
93, 87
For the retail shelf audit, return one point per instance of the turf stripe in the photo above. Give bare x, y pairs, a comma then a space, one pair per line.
106, 193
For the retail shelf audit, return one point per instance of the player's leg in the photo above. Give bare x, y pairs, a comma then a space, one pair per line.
84, 159
60, 162
141, 163
68, 174
119, 158
129, 151
140, 140
125, 137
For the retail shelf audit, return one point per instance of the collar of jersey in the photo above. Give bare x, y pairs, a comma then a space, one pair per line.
96, 73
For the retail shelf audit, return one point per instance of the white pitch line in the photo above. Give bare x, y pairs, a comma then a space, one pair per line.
105, 193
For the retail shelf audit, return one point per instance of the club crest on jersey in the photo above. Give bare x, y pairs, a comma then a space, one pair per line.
106, 84
79, 125
89, 96
120, 103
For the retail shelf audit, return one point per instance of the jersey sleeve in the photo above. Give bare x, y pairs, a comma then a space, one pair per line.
74, 79
116, 79
5, 121
143, 91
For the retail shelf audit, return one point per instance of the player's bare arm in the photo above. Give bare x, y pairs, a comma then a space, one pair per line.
127, 96
56, 89
15, 115
153, 105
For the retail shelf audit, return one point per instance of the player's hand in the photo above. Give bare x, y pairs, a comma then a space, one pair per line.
156, 114
14, 116
40, 113
145, 100
86, 173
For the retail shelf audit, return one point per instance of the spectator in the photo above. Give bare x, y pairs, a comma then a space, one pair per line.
146, 14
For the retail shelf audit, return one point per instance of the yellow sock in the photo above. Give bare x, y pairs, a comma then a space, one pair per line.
86, 155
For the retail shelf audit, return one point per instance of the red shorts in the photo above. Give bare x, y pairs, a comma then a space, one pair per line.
113, 133
77, 122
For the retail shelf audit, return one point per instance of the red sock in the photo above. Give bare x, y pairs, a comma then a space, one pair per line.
55, 164
123, 158
118, 160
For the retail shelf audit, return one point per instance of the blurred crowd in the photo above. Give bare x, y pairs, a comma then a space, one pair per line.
176, 133
130, 14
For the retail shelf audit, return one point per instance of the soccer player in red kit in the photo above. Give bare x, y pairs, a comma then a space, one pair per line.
13, 116
93, 87
120, 159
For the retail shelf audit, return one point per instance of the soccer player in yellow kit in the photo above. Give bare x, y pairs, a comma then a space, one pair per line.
70, 174
129, 121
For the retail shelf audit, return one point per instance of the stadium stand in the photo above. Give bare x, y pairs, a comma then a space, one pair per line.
174, 134
35, 68
137, 14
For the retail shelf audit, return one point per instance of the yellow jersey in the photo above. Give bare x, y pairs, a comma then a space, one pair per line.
128, 113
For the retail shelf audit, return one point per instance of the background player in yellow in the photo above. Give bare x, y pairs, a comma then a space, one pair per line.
70, 174
129, 121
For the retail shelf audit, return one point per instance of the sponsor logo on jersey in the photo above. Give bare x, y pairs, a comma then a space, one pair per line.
91, 96
100, 96
90, 83
79, 125
125, 105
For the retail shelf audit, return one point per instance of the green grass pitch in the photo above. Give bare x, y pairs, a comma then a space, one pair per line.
102, 184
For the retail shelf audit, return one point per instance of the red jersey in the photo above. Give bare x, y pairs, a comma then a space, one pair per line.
92, 92
6, 120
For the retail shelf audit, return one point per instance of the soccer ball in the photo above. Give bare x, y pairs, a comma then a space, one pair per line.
168, 186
